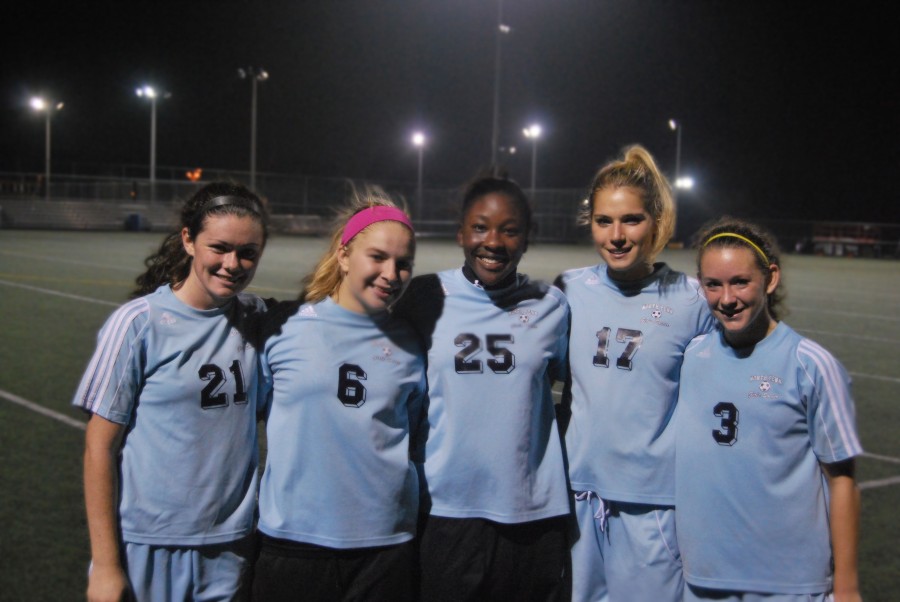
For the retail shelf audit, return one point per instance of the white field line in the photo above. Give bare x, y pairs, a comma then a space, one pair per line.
58, 293
70, 261
851, 314
890, 379
258, 289
879, 483
890, 459
34, 407
131, 270
843, 335
849, 292
80, 425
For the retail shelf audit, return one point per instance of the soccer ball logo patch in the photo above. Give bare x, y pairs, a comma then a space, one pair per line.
386, 351
523, 318
656, 314
764, 386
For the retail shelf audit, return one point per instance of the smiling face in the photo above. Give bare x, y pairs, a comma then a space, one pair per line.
494, 236
737, 291
225, 255
376, 267
623, 232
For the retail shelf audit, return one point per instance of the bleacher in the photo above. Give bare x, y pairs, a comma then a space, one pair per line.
87, 215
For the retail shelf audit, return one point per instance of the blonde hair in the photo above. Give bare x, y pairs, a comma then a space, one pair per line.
327, 276
637, 169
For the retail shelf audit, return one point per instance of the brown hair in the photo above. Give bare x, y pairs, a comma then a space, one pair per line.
731, 232
171, 264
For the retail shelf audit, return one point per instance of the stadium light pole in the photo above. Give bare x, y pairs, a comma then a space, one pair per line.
40, 104
533, 132
255, 75
495, 130
418, 140
676, 127
150, 93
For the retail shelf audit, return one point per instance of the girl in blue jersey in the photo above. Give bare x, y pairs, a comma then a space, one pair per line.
766, 497
339, 495
494, 489
631, 321
170, 459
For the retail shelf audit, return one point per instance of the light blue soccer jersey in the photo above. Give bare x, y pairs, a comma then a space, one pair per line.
751, 499
184, 382
493, 449
625, 351
345, 389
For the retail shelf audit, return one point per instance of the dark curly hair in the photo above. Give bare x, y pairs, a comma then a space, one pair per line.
171, 264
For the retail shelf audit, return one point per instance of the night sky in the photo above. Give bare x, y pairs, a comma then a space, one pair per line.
789, 109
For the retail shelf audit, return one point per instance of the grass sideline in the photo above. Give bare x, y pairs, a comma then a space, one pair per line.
57, 288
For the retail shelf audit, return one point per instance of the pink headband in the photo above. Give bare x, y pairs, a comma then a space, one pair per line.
365, 218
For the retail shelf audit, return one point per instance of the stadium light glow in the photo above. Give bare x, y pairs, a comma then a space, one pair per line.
151, 93
40, 104
685, 183
418, 140
533, 132
676, 127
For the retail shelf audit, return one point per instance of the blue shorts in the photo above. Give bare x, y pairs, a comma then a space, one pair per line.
698, 594
216, 572
625, 552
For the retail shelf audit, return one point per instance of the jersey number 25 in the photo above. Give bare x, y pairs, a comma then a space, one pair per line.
502, 362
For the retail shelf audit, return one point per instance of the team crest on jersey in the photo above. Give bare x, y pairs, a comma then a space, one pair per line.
656, 313
384, 352
167, 319
765, 386
523, 315
241, 343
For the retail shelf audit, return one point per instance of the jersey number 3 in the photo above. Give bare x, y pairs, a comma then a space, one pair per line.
726, 434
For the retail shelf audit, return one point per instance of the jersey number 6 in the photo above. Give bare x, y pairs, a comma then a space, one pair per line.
351, 392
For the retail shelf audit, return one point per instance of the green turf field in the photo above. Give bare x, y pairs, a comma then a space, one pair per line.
56, 289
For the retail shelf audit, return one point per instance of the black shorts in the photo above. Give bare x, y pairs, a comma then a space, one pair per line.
289, 571
476, 559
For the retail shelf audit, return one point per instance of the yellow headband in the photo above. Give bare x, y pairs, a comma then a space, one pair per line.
739, 237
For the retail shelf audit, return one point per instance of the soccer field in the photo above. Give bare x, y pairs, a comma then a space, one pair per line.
57, 288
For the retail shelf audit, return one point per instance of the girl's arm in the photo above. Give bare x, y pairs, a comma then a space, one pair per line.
107, 580
844, 519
